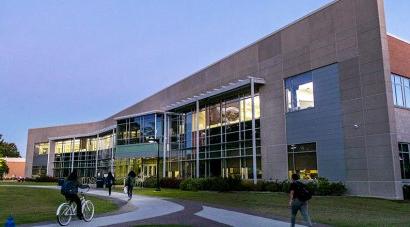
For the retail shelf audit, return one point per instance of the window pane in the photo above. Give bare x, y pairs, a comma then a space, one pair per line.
302, 160
399, 95
407, 93
299, 92
394, 90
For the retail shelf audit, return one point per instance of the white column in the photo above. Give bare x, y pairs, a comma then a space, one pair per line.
112, 150
197, 139
165, 141
253, 131
48, 158
96, 154
72, 154
155, 125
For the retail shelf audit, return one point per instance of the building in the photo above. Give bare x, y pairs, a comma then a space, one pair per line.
327, 95
16, 168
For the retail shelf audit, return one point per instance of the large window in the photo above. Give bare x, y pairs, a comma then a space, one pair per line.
225, 139
136, 129
404, 160
401, 91
299, 92
302, 160
41, 148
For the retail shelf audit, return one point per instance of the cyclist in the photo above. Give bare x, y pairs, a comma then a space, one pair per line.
70, 190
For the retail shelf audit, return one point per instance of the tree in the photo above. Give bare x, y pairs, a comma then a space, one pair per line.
4, 169
8, 149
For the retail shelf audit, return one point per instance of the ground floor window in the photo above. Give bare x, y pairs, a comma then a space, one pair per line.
302, 160
39, 171
404, 160
143, 167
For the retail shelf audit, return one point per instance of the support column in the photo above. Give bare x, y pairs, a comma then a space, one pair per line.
197, 139
96, 154
253, 131
165, 145
48, 158
72, 154
112, 150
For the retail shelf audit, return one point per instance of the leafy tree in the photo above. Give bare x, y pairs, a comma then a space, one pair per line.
4, 169
8, 149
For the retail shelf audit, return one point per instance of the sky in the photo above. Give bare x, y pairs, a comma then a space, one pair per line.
64, 62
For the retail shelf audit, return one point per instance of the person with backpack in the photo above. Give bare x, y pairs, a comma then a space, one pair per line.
109, 181
130, 182
70, 190
298, 200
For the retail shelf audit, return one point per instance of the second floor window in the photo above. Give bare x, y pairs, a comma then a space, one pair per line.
299, 92
401, 91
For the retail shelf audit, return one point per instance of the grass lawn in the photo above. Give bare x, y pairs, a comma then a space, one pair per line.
336, 211
29, 205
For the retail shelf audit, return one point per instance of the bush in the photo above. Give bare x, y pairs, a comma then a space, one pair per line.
324, 187
45, 179
189, 185
274, 186
406, 192
150, 182
170, 182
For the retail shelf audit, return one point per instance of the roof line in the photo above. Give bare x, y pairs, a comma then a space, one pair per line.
399, 38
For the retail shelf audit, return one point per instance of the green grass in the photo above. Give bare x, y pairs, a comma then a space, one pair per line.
30, 205
336, 211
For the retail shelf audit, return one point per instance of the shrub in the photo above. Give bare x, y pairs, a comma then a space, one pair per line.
274, 186
150, 182
189, 185
247, 185
45, 179
406, 192
170, 182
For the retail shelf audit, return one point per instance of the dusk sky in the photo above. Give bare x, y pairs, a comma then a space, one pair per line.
64, 62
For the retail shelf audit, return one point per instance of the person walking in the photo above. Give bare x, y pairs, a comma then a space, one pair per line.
130, 182
109, 181
298, 200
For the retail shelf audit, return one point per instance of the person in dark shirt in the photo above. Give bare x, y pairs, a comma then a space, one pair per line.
74, 197
295, 203
109, 181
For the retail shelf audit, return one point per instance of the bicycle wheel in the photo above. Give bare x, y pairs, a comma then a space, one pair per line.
88, 210
64, 214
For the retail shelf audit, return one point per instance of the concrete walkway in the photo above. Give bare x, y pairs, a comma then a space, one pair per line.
238, 219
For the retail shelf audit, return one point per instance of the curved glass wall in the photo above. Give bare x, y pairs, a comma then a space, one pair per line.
90, 156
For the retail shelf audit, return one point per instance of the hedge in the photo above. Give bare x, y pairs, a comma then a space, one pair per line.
320, 186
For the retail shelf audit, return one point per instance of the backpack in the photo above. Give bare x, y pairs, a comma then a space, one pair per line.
69, 188
303, 194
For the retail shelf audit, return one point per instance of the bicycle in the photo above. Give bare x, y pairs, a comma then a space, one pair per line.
68, 209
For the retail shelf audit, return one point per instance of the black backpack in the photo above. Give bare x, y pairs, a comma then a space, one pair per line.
303, 194
69, 188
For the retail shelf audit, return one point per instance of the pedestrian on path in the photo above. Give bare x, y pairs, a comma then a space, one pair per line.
109, 181
298, 200
130, 182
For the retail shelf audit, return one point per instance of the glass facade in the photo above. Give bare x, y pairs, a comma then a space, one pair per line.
224, 128
137, 129
40, 157
90, 156
404, 149
401, 91
299, 92
302, 160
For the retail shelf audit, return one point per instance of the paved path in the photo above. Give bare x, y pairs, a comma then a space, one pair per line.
152, 210
238, 219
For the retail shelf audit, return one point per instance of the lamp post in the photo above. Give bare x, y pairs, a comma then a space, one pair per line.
154, 140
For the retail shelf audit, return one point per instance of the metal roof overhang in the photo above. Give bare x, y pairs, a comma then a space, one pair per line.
216, 91
85, 134
138, 114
